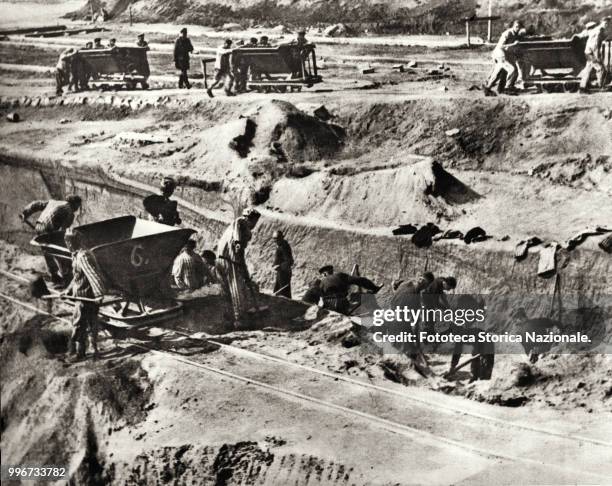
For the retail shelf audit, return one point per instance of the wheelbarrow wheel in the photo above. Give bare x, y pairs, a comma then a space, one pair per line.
144, 85
130, 85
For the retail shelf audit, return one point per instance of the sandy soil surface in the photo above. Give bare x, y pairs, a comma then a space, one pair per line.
158, 412
420, 146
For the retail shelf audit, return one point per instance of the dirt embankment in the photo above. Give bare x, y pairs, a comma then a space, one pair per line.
454, 162
431, 17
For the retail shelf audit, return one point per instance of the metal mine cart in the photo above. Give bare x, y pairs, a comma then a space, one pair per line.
117, 67
276, 69
555, 65
134, 257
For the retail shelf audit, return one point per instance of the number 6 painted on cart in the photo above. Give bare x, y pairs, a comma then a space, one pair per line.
136, 257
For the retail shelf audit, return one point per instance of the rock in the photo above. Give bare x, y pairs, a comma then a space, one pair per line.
412, 64
63, 121
453, 132
399, 68
351, 340
282, 29
13, 117
443, 88
231, 27
368, 70
522, 375
337, 30
312, 313
322, 113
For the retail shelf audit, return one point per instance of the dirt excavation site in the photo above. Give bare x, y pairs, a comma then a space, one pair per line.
351, 170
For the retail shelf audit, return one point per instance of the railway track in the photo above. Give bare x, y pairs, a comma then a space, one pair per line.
382, 409
366, 385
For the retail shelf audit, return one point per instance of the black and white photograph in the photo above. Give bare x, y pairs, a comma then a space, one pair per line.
306, 242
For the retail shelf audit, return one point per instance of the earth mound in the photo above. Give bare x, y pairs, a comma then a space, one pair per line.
420, 192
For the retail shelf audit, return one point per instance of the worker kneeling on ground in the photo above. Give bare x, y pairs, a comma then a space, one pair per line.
87, 288
55, 215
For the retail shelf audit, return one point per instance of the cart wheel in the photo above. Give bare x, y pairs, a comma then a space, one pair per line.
144, 85
267, 89
130, 85
570, 87
282, 89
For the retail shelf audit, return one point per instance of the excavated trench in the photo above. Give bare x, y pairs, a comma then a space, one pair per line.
480, 268
125, 394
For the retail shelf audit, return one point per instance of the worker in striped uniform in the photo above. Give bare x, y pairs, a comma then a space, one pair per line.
232, 269
88, 285
55, 215
188, 268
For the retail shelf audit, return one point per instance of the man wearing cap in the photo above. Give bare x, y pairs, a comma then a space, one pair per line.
182, 49
55, 215
335, 286
505, 59
283, 263
98, 43
88, 285
141, 42
232, 270
223, 69
593, 53
252, 42
112, 43
264, 41
188, 268
160, 207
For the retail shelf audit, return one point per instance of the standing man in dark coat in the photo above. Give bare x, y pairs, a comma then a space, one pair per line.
283, 262
182, 49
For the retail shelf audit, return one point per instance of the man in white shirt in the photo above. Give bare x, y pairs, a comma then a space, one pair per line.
223, 69
592, 51
505, 59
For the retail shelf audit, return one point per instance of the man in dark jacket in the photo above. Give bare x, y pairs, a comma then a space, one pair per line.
182, 49
283, 263
335, 288
161, 207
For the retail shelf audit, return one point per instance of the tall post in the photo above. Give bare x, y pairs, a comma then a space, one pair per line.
490, 23
467, 32
130, 13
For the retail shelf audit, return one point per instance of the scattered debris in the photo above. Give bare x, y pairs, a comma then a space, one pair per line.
452, 132
337, 30
412, 64
13, 117
63, 121
474, 235
141, 139
368, 70
521, 250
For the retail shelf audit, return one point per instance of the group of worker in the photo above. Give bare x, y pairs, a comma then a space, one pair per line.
230, 71
227, 267
72, 72
510, 69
